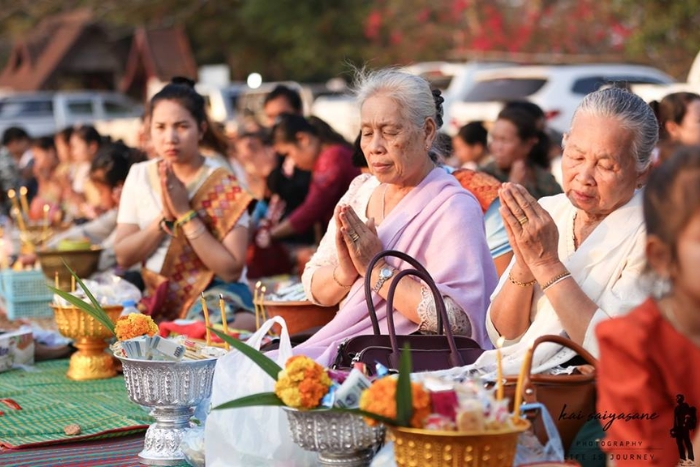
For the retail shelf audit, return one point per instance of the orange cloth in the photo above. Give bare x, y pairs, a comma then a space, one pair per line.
483, 186
644, 364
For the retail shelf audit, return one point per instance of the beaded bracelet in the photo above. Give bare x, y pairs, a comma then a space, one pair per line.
556, 279
521, 284
185, 218
337, 281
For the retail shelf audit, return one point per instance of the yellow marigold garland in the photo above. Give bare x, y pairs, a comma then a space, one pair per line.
303, 383
134, 325
380, 399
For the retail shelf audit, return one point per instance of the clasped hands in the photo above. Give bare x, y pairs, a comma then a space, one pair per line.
174, 196
356, 243
532, 234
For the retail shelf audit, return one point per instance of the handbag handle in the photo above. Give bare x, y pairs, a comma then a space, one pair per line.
528, 387
455, 356
368, 286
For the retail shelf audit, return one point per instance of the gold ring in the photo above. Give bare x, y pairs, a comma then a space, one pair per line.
354, 237
523, 220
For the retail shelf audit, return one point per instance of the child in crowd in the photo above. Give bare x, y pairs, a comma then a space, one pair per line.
83, 199
469, 146
49, 189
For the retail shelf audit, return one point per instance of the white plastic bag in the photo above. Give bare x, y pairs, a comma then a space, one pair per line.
254, 436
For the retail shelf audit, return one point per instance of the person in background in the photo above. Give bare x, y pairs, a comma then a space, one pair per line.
521, 153
650, 359
49, 187
185, 217
313, 146
469, 146
679, 122
555, 154
255, 155
9, 177
83, 199
288, 182
63, 171
17, 143
108, 173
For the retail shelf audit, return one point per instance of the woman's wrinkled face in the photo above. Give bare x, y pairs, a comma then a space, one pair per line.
505, 146
396, 151
175, 133
599, 170
303, 152
688, 132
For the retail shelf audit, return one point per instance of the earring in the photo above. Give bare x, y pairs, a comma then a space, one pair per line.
661, 287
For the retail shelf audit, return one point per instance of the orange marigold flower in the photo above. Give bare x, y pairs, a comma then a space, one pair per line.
303, 383
134, 325
380, 399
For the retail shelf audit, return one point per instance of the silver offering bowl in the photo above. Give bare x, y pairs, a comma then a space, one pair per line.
341, 439
172, 390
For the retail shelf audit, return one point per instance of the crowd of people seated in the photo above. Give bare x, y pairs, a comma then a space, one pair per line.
515, 253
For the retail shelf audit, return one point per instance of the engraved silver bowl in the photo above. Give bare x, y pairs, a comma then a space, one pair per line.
341, 439
172, 390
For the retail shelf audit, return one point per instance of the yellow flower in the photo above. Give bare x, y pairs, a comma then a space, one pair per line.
380, 399
303, 383
134, 325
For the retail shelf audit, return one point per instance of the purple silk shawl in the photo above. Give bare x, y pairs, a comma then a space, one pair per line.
441, 225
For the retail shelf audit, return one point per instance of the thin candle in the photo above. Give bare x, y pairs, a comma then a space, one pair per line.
55, 279
256, 304
72, 283
499, 372
525, 368
45, 235
15, 208
206, 319
23, 201
224, 322
263, 289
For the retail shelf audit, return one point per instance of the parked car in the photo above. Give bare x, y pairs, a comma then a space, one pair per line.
438, 74
222, 102
44, 113
251, 101
556, 89
651, 92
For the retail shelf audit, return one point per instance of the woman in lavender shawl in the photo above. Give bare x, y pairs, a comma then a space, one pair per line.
407, 204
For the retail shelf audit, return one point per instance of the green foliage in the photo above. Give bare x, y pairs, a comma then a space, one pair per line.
404, 395
94, 309
260, 359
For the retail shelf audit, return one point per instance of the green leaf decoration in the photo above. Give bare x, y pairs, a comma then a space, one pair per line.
404, 396
265, 363
95, 310
254, 400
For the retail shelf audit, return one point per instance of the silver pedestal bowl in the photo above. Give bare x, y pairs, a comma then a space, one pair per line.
341, 439
172, 390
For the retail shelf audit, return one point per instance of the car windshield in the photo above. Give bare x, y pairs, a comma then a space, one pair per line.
504, 89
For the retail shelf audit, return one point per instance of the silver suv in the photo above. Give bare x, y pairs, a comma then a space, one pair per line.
44, 113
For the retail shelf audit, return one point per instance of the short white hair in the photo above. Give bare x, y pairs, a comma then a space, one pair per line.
633, 114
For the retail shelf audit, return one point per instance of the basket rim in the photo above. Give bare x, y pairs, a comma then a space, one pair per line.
522, 426
54, 252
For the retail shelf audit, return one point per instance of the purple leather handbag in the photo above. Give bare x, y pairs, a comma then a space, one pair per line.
428, 352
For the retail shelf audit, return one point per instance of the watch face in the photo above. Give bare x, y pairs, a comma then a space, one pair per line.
385, 273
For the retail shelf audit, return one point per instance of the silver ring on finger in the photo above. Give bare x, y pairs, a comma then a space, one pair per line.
354, 237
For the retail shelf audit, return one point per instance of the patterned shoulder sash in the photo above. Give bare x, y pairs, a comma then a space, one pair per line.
220, 202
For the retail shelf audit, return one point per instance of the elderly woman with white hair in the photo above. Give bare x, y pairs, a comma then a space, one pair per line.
578, 256
409, 204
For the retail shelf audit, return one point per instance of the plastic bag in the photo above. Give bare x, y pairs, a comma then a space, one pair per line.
254, 436
192, 446
530, 450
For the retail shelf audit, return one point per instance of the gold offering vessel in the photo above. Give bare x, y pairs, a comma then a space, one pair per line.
89, 336
456, 449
